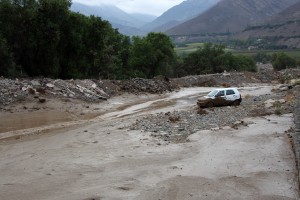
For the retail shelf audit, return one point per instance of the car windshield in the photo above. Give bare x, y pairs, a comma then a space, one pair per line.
212, 93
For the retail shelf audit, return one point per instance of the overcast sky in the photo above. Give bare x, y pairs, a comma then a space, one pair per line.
154, 7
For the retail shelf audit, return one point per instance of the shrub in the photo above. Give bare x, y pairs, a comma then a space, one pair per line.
282, 61
278, 108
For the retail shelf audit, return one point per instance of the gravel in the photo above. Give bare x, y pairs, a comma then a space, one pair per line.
176, 126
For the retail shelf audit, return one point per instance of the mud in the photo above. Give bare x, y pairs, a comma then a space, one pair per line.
99, 158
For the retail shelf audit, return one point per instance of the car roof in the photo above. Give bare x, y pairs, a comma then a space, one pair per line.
226, 89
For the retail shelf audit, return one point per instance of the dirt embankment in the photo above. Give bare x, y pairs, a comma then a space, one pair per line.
98, 90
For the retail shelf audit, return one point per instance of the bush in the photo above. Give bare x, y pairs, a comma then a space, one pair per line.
282, 61
262, 57
278, 108
244, 63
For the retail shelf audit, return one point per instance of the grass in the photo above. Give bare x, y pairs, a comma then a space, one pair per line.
294, 53
189, 48
192, 47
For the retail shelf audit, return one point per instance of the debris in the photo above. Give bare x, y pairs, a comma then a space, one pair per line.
201, 111
42, 100
174, 119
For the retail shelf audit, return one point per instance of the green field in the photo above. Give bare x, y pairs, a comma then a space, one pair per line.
292, 53
189, 48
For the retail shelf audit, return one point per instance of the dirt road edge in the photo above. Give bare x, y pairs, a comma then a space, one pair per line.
297, 134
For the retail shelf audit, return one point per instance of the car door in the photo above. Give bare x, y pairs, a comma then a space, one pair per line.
220, 98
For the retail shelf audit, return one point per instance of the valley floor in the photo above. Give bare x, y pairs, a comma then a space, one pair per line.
89, 151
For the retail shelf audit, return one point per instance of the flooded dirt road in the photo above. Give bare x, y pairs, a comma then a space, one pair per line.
94, 156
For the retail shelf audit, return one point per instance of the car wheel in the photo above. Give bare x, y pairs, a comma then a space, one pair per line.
210, 104
236, 103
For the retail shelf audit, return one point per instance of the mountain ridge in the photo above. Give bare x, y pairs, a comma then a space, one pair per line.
178, 14
282, 29
128, 24
230, 16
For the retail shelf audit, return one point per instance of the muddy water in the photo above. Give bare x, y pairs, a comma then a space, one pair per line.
18, 121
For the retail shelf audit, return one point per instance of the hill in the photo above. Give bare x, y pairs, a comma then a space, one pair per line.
229, 16
126, 23
282, 29
178, 14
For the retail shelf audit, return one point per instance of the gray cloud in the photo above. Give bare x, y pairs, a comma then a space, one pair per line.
154, 7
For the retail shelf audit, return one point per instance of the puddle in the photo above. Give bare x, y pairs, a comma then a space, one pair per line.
18, 121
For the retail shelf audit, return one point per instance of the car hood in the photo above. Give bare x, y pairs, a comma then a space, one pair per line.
204, 98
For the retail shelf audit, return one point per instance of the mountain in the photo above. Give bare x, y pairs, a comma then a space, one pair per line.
144, 17
126, 23
282, 29
231, 16
178, 14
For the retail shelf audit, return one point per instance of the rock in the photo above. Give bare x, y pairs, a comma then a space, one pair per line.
50, 85
41, 90
281, 101
31, 91
257, 99
174, 118
236, 124
269, 103
295, 81
35, 83
201, 111
42, 100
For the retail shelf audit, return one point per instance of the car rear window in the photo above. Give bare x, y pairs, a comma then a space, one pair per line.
229, 92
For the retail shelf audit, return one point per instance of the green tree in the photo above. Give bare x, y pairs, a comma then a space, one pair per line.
6, 59
49, 20
244, 63
212, 58
72, 47
152, 55
107, 49
282, 61
33, 31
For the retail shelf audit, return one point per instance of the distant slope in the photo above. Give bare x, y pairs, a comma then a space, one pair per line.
126, 23
143, 17
180, 13
282, 29
231, 16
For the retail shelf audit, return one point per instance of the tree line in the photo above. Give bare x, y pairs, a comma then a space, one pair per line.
44, 38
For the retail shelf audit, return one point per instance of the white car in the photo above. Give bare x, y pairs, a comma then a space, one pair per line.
221, 97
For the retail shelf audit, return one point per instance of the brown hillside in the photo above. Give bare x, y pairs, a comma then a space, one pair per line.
231, 16
281, 29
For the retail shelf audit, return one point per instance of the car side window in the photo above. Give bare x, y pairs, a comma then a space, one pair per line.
220, 93
229, 92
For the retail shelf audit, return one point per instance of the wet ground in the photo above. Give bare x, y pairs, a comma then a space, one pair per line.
30, 114
90, 154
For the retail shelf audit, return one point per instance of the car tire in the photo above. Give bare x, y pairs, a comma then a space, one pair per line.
236, 103
210, 104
